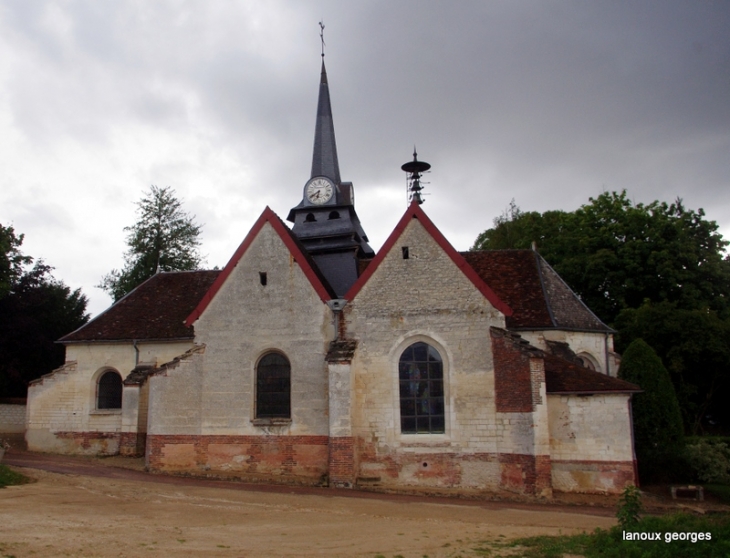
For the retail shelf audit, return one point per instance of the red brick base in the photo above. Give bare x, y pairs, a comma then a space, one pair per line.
593, 477
98, 443
342, 462
297, 459
132, 444
517, 473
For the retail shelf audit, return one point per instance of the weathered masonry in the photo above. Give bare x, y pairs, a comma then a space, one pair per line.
311, 359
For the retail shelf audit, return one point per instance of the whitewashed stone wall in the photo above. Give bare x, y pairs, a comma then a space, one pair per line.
586, 431
65, 400
244, 321
593, 344
12, 418
427, 298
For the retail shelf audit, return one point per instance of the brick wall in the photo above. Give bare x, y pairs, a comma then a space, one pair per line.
513, 386
93, 443
293, 459
342, 462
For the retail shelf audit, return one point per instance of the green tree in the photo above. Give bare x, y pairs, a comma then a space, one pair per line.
658, 432
164, 238
695, 346
11, 259
35, 310
616, 254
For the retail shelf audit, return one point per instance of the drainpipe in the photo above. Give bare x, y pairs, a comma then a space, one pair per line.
605, 350
136, 353
336, 305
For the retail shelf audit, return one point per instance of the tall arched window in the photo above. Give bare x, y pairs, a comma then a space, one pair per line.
109, 391
421, 376
273, 387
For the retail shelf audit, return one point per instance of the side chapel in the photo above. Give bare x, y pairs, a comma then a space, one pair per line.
311, 359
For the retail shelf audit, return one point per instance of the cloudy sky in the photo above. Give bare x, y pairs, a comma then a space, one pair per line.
546, 102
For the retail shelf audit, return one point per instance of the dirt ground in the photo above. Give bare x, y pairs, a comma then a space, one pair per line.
90, 507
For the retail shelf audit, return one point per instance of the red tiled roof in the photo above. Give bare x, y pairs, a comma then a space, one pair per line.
562, 376
154, 310
538, 297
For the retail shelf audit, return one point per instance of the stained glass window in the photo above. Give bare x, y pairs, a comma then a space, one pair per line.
421, 377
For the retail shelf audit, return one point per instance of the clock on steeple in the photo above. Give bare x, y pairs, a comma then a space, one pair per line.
325, 221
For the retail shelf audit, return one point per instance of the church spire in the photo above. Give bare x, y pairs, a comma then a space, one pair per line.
324, 158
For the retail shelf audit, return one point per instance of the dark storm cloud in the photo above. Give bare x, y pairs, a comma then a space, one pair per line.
545, 102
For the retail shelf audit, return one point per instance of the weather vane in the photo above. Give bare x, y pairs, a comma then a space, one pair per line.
321, 35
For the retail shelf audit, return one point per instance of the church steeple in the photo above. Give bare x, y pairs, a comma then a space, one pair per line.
324, 157
325, 221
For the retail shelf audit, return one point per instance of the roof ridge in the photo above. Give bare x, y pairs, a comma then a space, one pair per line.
415, 211
308, 267
540, 260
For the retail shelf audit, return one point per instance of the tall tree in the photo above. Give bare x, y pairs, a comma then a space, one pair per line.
616, 254
164, 238
35, 310
658, 434
695, 347
11, 259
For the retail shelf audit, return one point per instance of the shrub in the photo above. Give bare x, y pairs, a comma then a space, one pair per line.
629, 507
710, 460
658, 429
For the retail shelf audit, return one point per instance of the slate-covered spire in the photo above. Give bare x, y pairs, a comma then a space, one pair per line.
324, 158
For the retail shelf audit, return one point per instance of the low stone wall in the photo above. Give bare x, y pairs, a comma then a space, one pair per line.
12, 418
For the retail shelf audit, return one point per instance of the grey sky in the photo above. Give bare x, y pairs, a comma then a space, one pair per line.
544, 102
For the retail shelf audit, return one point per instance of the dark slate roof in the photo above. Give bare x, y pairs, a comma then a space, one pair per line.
538, 297
154, 310
324, 158
562, 376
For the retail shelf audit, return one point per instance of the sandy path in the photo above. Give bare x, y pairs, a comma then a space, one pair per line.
79, 515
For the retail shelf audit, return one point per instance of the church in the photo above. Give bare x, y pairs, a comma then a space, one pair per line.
310, 359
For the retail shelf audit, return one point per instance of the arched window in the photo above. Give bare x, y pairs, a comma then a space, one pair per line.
109, 391
421, 376
273, 387
309, 218
588, 361
334, 215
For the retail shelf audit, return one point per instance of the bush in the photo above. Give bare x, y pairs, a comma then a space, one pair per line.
629, 507
710, 460
658, 429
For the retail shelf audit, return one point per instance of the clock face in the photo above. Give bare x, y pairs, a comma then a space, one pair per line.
319, 191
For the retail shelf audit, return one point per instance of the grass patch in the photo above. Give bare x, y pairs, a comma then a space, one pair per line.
610, 544
9, 477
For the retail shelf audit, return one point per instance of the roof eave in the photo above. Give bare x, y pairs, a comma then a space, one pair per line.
129, 340
597, 392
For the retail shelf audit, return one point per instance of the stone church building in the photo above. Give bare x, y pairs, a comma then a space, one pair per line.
311, 359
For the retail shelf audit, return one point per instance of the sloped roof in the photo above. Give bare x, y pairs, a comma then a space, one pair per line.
156, 309
298, 252
562, 376
539, 298
414, 211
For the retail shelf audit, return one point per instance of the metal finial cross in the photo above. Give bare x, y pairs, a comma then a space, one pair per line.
321, 35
